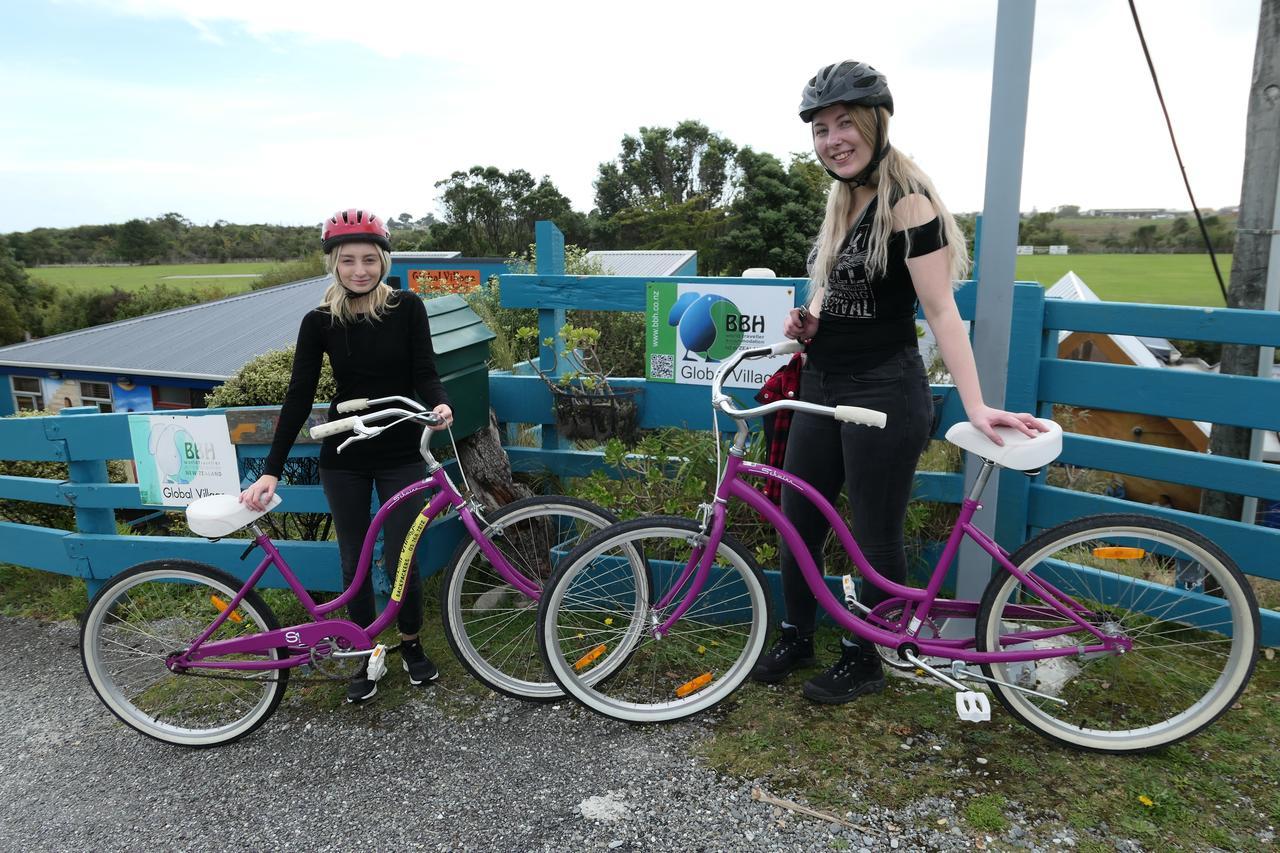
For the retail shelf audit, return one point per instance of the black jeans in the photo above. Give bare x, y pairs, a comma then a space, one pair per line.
877, 466
349, 494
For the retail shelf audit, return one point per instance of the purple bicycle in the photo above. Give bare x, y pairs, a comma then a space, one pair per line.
185, 653
1116, 633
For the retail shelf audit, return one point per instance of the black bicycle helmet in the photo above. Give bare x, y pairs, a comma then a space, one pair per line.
845, 82
850, 82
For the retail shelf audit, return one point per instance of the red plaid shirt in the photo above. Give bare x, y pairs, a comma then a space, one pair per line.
782, 385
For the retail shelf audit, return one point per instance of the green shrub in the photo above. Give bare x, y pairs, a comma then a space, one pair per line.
312, 266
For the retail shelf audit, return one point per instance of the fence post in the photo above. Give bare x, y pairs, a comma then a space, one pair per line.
101, 520
1022, 391
550, 247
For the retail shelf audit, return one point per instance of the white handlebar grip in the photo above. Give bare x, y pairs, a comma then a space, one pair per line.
786, 347
333, 427
859, 415
353, 405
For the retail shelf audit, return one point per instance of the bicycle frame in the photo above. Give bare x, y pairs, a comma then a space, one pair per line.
917, 603
300, 640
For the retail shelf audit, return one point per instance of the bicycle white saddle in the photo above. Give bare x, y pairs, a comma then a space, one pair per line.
216, 516
1020, 452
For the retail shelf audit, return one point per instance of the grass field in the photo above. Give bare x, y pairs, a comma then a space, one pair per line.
136, 277
1155, 279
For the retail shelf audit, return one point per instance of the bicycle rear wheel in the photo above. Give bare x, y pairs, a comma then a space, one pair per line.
155, 609
1187, 611
491, 625
597, 628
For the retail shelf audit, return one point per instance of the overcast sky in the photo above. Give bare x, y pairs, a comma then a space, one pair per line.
283, 110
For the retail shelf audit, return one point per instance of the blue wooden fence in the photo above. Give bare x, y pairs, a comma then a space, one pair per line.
1037, 379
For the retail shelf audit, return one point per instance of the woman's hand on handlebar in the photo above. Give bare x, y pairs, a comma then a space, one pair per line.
258, 495
446, 417
800, 325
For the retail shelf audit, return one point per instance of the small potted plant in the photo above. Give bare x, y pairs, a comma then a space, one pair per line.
586, 406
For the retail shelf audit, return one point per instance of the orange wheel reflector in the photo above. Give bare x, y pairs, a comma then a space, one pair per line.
222, 605
1118, 552
587, 659
693, 686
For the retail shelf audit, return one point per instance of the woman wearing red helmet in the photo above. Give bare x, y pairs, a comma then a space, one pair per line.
887, 245
379, 345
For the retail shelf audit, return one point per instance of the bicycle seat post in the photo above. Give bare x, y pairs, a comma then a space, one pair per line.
980, 482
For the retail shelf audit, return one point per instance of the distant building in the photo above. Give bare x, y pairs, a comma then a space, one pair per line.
1133, 212
1129, 426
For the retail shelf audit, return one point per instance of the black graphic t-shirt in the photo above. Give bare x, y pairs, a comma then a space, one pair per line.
865, 320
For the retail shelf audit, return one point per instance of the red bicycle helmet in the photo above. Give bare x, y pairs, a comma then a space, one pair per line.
354, 226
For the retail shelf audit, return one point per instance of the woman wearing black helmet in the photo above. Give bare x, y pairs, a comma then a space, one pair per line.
887, 243
379, 345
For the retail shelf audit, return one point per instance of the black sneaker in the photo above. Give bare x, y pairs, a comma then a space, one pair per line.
361, 687
857, 673
790, 652
416, 663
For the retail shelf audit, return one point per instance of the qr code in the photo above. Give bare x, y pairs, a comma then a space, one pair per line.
662, 366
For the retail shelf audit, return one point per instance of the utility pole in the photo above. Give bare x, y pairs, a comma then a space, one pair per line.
1255, 280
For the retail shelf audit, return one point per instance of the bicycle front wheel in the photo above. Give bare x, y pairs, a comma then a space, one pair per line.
153, 610
600, 632
489, 623
1187, 614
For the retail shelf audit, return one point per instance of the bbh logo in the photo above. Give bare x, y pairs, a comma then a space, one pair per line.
710, 325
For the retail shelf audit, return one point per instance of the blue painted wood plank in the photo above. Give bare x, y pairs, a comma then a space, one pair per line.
32, 489
315, 563
1239, 400
38, 548
608, 292
24, 439
1227, 325
1253, 548
1174, 466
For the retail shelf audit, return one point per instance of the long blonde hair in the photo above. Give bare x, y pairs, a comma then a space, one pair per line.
895, 178
342, 306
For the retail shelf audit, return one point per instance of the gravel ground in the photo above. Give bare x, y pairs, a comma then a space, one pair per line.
444, 772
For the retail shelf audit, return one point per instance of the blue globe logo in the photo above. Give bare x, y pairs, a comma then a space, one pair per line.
700, 322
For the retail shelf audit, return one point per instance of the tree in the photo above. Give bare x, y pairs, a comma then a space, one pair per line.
774, 217
139, 242
490, 212
1143, 238
663, 167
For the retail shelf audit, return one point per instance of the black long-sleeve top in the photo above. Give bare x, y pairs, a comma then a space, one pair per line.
390, 356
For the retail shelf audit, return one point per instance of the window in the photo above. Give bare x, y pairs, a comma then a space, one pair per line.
96, 394
169, 397
27, 396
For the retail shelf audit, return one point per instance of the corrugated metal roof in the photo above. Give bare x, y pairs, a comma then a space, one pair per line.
211, 340
642, 262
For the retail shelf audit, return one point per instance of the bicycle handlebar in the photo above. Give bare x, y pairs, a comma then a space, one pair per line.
724, 403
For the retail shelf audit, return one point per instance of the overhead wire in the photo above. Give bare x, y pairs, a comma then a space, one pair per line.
1204, 231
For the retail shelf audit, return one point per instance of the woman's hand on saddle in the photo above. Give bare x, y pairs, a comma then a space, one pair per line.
987, 418
258, 495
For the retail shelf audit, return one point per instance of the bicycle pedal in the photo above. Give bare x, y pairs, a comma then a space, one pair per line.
973, 706
850, 591
377, 666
